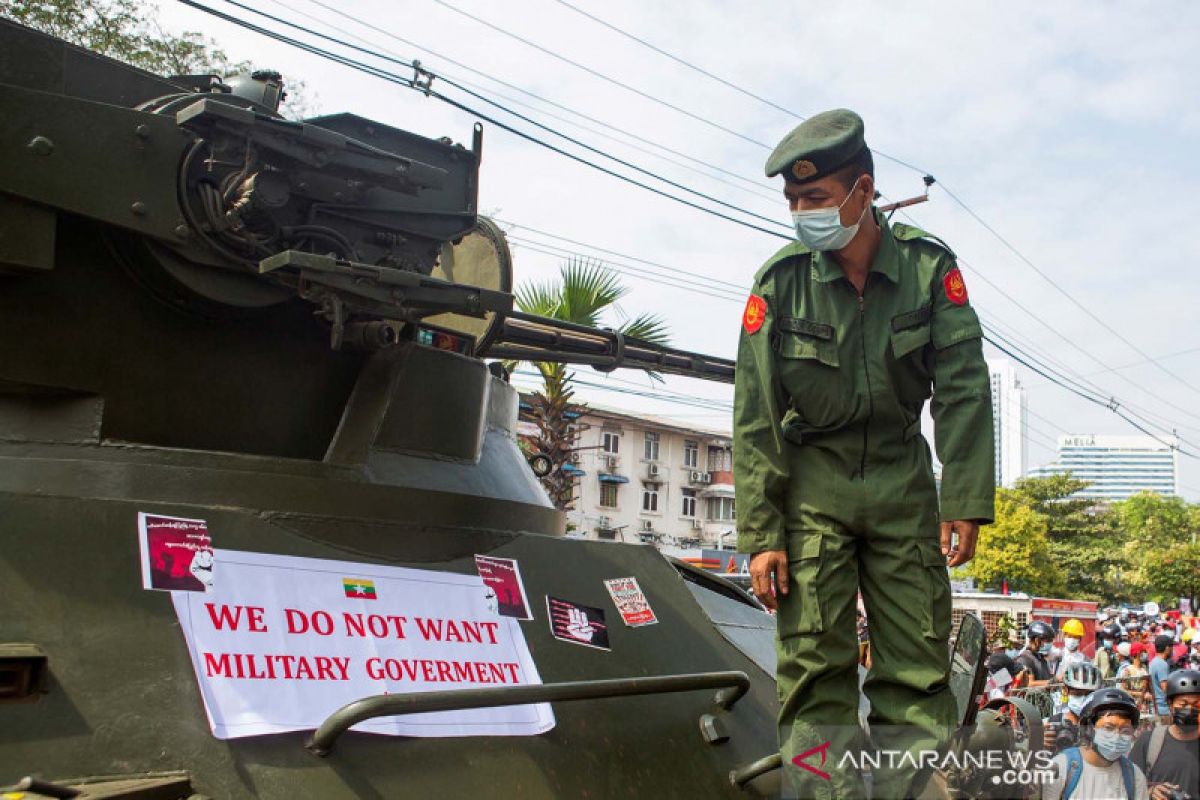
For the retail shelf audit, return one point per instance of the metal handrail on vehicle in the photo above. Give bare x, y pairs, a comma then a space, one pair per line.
733, 686
743, 775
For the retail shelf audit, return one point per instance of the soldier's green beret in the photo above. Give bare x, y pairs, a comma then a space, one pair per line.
818, 146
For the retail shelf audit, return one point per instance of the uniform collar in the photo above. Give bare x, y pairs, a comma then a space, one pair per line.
826, 270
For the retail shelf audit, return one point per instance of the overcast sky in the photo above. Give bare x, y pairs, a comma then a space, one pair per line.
1071, 128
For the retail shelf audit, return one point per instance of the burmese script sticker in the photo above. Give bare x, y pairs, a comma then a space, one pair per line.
177, 553
502, 576
630, 601
282, 642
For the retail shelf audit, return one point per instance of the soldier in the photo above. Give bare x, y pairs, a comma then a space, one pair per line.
846, 334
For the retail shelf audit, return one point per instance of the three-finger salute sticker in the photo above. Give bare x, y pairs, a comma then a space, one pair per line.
577, 624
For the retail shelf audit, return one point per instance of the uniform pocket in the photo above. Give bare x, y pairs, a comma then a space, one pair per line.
800, 608
910, 362
935, 611
809, 370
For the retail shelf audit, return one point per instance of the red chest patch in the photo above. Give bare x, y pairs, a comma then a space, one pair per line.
755, 314
956, 288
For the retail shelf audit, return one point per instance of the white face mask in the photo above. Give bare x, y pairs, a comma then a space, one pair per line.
1070, 643
822, 228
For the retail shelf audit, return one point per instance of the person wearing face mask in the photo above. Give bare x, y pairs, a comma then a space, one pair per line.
1061, 730
1072, 631
1106, 658
1133, 676
844, 336
1170, 754
1038, 638
1100, 768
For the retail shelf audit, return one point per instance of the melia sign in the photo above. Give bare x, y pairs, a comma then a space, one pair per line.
281, 642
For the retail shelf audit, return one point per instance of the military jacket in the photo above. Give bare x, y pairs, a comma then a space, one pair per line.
818, 365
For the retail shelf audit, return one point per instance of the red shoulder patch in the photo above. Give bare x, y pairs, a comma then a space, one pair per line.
956, 288
755, 314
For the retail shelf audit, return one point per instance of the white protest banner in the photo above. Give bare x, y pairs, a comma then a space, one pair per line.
281, 642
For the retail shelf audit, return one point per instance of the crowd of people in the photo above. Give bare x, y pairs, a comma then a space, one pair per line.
1125, 722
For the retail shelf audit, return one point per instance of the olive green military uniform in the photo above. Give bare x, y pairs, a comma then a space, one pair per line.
830, 464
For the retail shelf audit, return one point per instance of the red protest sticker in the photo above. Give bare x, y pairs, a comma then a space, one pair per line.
631, 602
755, 315
177, 553
505, 589
956, 288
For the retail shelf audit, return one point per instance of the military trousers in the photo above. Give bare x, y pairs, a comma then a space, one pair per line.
874, 530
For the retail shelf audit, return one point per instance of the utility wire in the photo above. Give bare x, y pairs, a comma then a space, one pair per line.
749, 187
427, 90
737, 288
602, 76
412, 83
1058, 287
527, 93
522, 117
1115, 408
957, 200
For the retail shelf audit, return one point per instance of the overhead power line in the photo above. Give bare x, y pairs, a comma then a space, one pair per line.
603, 76
625, 139
488, 76
426, 89
954, 197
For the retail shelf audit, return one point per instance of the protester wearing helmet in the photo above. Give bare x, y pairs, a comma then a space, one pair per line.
1072, 631
1169, 755
1100, 767
1032, 660
1062, 729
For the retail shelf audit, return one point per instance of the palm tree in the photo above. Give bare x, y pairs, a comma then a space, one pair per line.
583, 293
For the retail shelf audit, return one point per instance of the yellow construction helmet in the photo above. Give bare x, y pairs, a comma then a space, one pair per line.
1189, 634
1073, 627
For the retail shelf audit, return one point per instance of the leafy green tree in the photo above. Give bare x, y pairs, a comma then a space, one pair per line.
1016, 549
1160, 547
584, 293
1085, 541
129, 30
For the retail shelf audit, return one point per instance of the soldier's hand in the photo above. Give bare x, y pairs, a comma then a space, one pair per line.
764, 566
963, 551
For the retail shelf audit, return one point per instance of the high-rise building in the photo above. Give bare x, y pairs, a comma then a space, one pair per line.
1009, 421
1117, 466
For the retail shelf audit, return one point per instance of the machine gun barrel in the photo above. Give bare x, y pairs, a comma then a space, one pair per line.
527, 337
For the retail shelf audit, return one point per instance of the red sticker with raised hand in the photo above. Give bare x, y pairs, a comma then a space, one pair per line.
755, 314
956, 288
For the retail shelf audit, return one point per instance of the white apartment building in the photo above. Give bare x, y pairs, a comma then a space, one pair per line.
645, 479
1117, 466
1009, 417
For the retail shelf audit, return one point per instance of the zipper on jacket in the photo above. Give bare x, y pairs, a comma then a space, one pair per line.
862, 328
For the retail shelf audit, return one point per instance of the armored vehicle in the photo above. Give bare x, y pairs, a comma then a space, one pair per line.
259, 487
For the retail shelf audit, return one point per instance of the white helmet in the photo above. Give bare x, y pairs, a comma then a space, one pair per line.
1123, 648
1082, 675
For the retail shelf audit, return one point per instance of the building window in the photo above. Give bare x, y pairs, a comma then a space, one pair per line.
720, 459
691, 453
611, 443
689, 502
650, 497
721, 508
608, 495
651, 446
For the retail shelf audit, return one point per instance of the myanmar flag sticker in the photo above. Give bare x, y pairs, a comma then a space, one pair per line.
360, 588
